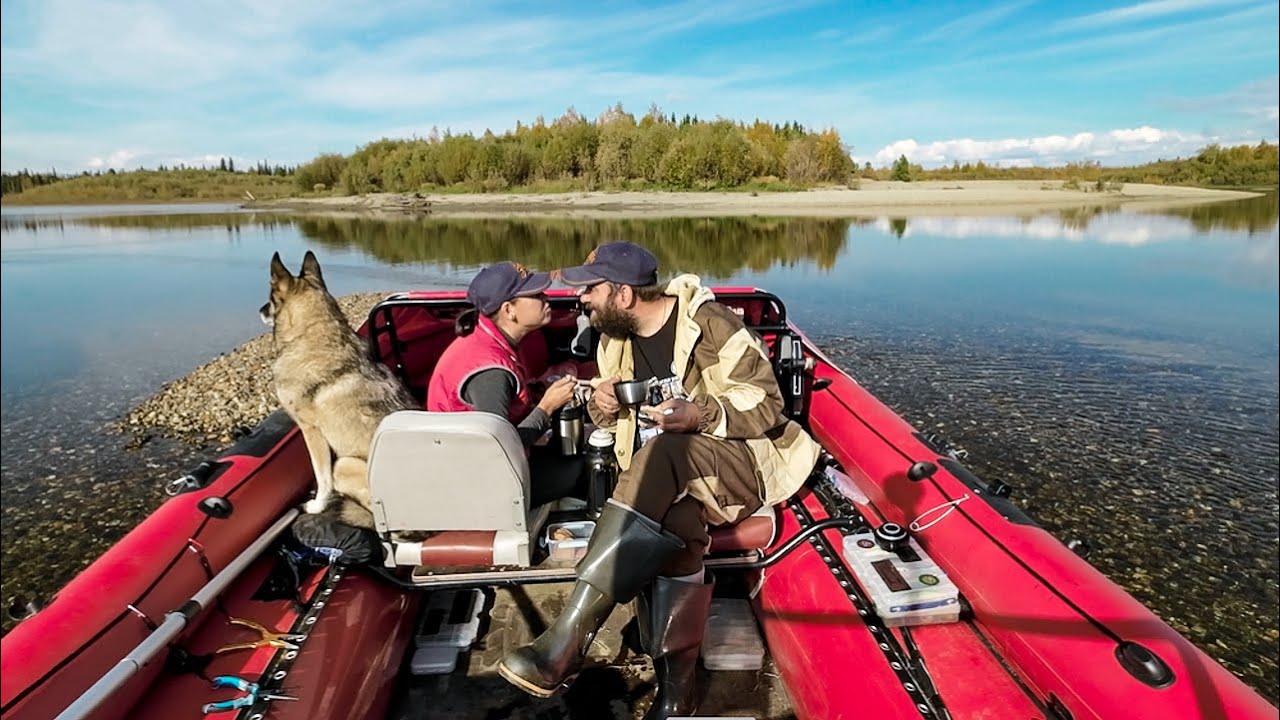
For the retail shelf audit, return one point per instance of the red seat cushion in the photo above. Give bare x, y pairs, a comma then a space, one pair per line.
757, 532
459, 548
471, 548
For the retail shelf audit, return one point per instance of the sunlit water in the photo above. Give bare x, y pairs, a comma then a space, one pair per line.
1119, 369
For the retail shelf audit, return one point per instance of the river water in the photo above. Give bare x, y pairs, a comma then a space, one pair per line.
1119, 369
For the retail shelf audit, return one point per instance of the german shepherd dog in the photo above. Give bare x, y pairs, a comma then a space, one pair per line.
327, 382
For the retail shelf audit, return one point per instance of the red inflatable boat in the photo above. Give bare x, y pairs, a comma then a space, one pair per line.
895, 584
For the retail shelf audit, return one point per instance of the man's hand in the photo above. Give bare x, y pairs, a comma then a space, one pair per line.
605, 398
674, 415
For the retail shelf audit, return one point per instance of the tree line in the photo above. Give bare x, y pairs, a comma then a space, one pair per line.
156, 186
1213, 166
616, 150
23, 180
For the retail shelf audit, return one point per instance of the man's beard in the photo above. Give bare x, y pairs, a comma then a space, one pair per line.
613, 322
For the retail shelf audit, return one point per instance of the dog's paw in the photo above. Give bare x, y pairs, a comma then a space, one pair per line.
316, 505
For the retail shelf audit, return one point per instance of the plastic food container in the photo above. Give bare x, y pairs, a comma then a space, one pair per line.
567, 541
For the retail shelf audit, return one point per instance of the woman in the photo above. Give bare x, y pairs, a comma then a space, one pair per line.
482, 370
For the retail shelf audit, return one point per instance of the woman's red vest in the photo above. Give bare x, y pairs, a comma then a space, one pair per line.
485, 348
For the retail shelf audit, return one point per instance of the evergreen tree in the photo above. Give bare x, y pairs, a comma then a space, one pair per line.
901, 170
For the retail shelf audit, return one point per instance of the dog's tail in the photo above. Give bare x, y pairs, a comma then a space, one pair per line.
350, 512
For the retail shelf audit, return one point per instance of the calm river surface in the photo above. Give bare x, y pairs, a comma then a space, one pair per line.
1118, 369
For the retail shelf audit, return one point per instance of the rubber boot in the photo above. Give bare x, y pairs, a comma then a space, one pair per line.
626, 552
676, 623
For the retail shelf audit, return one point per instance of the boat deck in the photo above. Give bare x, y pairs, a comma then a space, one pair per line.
617, 684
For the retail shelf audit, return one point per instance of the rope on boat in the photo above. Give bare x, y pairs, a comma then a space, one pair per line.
173, 624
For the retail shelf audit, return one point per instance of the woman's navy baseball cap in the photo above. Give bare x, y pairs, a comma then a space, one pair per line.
502, 282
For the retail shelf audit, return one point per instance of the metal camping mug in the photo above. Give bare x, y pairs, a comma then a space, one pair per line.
632, 393
569, 429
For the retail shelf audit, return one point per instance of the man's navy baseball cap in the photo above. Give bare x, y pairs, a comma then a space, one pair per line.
504, 281
619, 262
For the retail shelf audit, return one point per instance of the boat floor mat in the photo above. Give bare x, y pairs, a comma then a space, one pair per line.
617, 684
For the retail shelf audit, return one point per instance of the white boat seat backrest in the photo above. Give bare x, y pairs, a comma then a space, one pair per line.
448, 471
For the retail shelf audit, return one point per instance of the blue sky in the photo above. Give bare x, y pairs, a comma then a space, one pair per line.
105, 83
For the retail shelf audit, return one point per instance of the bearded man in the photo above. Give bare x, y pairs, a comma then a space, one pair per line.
711, 447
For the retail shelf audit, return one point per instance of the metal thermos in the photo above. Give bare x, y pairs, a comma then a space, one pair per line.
569, 429
602, 471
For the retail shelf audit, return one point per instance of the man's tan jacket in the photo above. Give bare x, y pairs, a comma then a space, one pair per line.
728, 376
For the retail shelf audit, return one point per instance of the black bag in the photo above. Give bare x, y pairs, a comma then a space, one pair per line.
338, 543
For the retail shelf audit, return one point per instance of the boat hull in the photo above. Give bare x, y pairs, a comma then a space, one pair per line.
1044, 633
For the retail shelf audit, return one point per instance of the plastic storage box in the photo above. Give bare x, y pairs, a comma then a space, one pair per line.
449, 624
732, 640
451, 617
571, 548
434, 660
906, 587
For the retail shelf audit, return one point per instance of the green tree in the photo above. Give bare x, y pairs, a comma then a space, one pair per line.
802, 163
834, 162
768, 150
649, 148
326, 169
901, 170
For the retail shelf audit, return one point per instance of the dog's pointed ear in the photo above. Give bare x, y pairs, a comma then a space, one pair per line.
311, 268
279, 273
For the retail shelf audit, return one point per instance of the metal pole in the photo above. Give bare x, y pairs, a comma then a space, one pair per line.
172, 625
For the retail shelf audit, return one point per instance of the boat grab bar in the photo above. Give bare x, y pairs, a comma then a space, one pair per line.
173, 623
534, 576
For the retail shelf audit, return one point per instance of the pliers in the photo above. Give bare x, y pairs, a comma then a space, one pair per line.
253, 695
268, 639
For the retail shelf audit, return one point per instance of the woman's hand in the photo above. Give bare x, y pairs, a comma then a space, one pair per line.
568, 368
558, 394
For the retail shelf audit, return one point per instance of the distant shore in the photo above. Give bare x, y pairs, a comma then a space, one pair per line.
871, 198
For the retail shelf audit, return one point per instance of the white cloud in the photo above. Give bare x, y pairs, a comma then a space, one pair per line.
1256, 101
118, 160
1114, 147
967, 25
132, 159
1141, 11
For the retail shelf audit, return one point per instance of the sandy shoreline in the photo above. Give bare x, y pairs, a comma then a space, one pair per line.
976, 197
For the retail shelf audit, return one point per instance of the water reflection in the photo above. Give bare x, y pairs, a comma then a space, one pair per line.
1255, 215
718, 248
1111, 226
681, 244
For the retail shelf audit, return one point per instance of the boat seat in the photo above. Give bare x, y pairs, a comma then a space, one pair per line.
756, 532
461, 478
